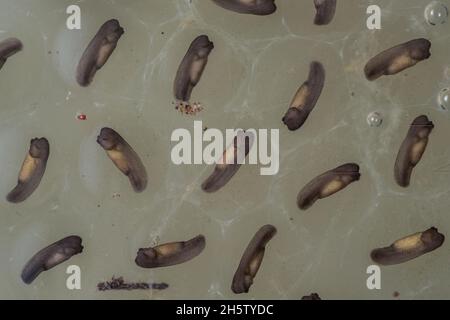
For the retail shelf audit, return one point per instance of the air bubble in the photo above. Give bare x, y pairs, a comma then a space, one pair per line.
444, 99
375, 119
436, 13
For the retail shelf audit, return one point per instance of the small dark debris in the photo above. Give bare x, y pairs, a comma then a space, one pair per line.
120, 284
312, 296
396, 294
188, 108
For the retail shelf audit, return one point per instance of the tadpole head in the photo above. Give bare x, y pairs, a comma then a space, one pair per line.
203, 46
421, 49
113, 31
107, 138
39, 148
294, 118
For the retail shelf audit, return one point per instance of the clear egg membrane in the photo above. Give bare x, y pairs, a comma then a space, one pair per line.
436, 13
253, 72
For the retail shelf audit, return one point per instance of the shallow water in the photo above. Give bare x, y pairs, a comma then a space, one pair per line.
257, 65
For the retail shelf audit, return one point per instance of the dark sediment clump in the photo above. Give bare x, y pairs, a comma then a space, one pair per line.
120, 284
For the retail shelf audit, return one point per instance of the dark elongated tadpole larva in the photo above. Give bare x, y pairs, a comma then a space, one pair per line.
251, 259
98, 51
32, 170
232, 159
327, 184
398, 58
50, 257
170, 254
256, 7
412, 149
124, 157
326, 10
8, 48
409, 248
191, 68
306, 97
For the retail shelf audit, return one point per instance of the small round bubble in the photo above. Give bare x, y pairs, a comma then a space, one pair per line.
436, 13
444, 99
375, 119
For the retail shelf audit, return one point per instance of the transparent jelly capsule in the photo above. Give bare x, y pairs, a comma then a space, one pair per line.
436, 13
444, 99
447, 72
375, 119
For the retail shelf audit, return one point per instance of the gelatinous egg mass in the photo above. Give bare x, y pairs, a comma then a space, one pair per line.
444, 99
375, 119
436, 13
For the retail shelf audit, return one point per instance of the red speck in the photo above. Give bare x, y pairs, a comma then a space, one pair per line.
81, 117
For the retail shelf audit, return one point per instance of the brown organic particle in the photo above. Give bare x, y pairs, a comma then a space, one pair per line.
120, 284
